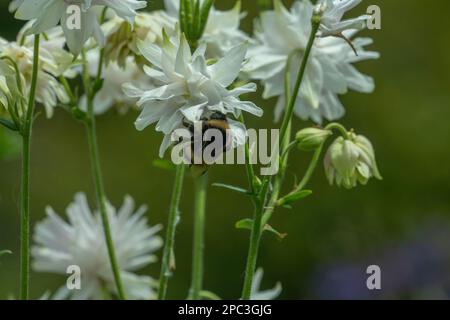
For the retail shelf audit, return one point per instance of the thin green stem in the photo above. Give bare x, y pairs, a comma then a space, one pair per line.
308, 174
98, 179
101, 198
263, 212
311, 168
68, 90
199, 238
25, 194
279, 179
248, 165
339, 127
288, 113
174, 213
255, 237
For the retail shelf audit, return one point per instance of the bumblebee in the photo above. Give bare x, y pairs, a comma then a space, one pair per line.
215, 120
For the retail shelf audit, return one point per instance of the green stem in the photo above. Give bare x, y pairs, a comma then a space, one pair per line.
166, 265
101, 197
25, 196
339, 127
248, 165
199, 238
311, 168
288, 113
263, 213
316, 157
309, 172
98, 180
255, 237
73, 100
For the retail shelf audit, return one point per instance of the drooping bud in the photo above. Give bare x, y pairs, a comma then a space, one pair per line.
349, 161
310, 139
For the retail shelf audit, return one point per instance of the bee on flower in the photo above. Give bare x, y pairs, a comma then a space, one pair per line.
188, 88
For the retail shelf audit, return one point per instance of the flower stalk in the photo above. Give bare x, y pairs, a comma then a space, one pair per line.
25, 193
315, 23
169, 246
199, 237
91, 130
263, 212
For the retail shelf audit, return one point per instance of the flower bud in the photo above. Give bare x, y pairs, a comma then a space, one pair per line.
310, 139
349, 161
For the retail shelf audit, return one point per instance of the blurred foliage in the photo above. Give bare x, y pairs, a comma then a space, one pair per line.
406, 118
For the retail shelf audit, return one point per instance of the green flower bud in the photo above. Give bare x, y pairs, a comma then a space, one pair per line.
351, 161
310, 139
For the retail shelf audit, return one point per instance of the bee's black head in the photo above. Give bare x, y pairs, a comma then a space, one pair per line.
216, 115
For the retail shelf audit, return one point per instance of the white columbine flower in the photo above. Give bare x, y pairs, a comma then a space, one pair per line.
48, 13
81, 242
187, 87
332, 12
282, 37
351, 161
52, 63
257, 294
222, 29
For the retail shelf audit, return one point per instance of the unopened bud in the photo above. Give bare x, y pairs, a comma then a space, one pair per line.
310, 139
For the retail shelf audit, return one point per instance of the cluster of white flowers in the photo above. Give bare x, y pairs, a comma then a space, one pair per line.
53, 62
46, 14
282, 38
80, 242
149, 63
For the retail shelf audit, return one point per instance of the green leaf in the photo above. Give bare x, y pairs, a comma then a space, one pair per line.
208, 295
3, 252
164, 164
233, 188
9, 124
183, 17
244, 224
206, 7
196, 21
293, 197
280, 235
186, 17
248, 224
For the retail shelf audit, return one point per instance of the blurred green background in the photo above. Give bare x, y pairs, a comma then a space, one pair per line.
332, 236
